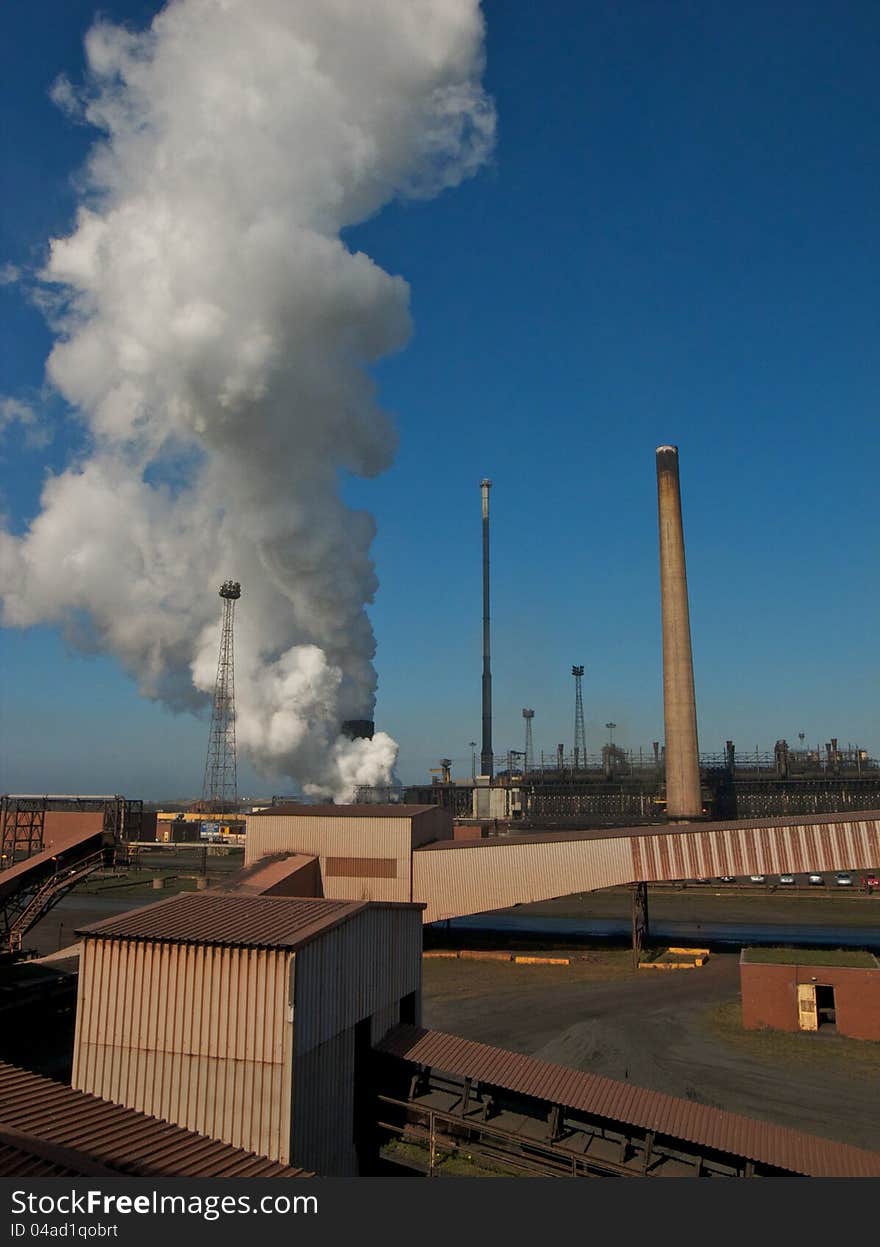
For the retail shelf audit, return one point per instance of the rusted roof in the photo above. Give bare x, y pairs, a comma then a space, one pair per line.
620, 1101
19, 1161
653, 829
343, 811
229, 919
57, 1131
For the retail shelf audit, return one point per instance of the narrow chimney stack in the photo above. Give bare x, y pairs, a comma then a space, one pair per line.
487, 757
683, 797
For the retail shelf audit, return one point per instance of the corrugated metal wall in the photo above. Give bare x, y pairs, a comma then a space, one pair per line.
323, 1108
361, 969
470, 880
338, 837
474, 879
844, 844
354, 971
197, 1035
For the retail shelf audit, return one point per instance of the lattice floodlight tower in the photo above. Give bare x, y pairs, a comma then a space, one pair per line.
580, 736
528, 757
220, 788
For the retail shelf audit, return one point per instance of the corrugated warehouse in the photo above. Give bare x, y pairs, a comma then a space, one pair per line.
364, 851
455, 878
247, 1018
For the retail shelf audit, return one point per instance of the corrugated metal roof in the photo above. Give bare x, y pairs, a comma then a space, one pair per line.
696, 827
342, 811
620, 1101
230, 919
19, 1162
109, 1135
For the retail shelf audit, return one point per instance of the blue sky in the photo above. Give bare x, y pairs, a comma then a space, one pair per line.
676, 241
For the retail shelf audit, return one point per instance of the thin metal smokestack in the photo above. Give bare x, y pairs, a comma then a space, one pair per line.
487, 758
683, 799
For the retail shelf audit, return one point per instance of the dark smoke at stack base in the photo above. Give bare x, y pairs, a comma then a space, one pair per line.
487, 759
683, 797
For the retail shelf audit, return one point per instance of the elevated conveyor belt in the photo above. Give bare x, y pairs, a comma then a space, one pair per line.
448, 1095
29, 888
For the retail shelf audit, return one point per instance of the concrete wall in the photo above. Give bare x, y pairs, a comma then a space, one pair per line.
769, 996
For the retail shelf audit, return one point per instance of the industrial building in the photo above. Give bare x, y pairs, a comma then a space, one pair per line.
247, 1018
407, 853
280, 1014
800, 991
362, 851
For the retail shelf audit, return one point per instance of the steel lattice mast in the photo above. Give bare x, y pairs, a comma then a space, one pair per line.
580, 736
221, 779
528, 756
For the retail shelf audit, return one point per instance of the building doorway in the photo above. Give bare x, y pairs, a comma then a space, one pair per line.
826, 1012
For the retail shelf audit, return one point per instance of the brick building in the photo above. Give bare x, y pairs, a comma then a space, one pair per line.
808, 990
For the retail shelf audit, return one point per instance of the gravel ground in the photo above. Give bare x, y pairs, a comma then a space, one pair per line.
656, 1032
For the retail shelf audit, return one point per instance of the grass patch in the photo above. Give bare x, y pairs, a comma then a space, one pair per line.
787, 1048
811, 957
457, 1164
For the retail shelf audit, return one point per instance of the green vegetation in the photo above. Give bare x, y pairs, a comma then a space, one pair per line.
458, 1164
787, 1048
811, 957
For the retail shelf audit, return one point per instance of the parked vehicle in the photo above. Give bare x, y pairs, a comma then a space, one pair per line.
816, 880
843, 880
872, 882
727, 878
756, 879
786, 879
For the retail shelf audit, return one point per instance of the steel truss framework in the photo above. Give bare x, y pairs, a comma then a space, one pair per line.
220, 787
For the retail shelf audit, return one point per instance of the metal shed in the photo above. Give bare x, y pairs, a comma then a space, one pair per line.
247, 1018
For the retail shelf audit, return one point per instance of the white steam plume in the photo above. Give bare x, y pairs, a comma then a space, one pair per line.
213, 332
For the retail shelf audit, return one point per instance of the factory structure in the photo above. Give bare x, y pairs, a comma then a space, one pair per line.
273, 1024
569, 788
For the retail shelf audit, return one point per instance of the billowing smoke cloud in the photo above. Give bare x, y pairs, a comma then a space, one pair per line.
213, 333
